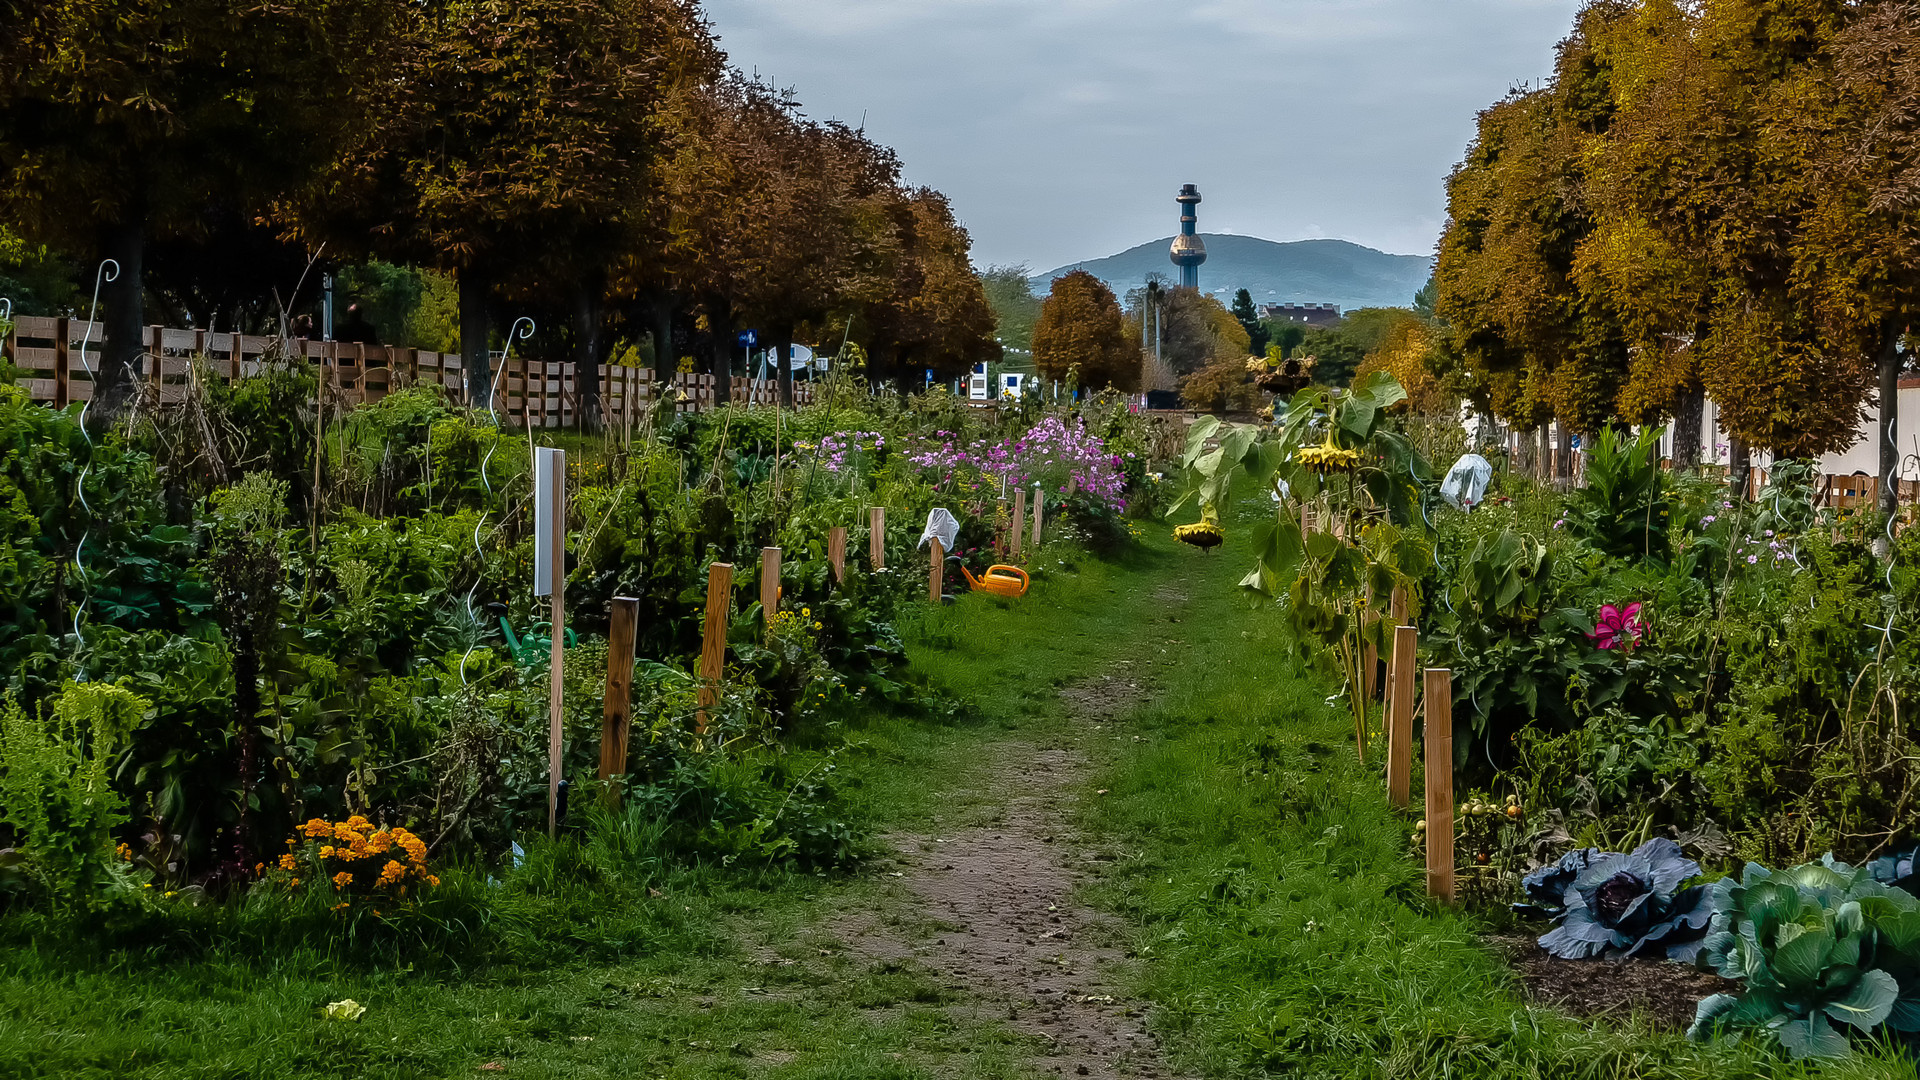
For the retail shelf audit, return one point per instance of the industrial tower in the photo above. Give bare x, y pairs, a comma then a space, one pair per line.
1188, 252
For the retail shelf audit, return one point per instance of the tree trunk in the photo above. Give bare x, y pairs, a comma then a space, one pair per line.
660, 310
1739, 467
1889, 426
1543, 456
783, 353
720, 322
474, 334
1689, 413
1563, 463
588, 293
118, 367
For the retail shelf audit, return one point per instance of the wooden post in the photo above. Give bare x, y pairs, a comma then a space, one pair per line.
622, 626
153, 359
555, 714
1019, 520
1039, 510
837, 552
713, 639
769, 583
1400, 717
1399, 608
62, 371
877, 536
935, 571
1439, 770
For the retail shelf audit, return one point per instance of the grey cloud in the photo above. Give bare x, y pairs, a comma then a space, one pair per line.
1062, 128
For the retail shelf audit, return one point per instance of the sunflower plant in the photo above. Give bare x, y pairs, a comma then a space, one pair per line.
1347, 529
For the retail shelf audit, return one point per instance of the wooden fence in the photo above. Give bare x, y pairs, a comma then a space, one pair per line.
530, 393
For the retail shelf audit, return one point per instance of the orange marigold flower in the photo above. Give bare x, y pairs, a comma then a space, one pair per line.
294, 884
316, 827
343, 879
326, 851
286, 861
433, 880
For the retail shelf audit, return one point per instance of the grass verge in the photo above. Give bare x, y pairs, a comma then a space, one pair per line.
1285, 928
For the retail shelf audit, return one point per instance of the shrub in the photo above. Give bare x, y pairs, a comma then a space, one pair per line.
56, 791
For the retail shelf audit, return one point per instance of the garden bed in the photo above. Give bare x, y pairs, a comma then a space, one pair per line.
1613, 988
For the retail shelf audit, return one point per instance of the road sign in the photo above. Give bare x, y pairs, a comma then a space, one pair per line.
749, 338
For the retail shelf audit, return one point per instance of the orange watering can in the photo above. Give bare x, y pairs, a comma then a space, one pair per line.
1000, 579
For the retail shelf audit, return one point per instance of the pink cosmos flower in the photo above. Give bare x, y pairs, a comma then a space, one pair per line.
1617, 627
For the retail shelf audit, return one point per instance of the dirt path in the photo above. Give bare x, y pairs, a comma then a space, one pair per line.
987, 903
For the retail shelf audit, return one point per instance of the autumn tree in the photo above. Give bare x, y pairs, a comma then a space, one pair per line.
1195, 329
1858, 259
1081, 336
510, 143
122, 123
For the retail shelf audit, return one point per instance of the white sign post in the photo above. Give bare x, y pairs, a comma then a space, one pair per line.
549, 579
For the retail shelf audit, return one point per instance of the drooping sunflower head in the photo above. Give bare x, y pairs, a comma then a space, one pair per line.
1201, 534
1327, 456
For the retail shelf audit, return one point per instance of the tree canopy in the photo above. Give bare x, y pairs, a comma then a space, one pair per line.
1705, 199
1081, 336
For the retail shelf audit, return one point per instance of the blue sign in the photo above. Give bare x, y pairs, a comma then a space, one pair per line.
749, 338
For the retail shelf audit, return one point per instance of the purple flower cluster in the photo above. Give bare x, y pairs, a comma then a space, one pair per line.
1053, 454
836, 448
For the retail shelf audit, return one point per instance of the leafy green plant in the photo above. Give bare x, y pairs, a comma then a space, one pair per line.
56, 790
1814, 945
1624, 508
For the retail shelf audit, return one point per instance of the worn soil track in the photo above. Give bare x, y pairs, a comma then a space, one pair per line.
986, 904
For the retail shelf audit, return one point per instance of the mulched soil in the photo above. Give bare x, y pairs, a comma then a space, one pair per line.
1613, 988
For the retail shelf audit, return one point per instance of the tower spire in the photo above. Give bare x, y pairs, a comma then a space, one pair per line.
1188, 250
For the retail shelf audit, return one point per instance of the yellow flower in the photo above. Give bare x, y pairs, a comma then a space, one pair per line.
286, 861
343, 879
1201, 534
806, 611
1327, 456
432, 880
819, 626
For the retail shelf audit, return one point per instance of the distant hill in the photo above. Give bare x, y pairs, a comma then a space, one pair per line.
1298, 272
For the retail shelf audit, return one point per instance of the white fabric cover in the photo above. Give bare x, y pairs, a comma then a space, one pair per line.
941, 523
1466, 482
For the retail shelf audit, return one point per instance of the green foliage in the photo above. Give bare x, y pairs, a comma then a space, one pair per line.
1622, 510
1816, 946
57, 794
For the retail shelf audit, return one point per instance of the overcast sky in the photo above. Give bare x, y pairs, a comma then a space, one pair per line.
1061, 129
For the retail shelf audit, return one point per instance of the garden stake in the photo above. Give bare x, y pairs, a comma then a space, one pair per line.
877, 536
934, 572
1439, 770
551, 503
1400, 717
837, 552
1038, 512
769, 583
1019, 520
622, 624
713, 640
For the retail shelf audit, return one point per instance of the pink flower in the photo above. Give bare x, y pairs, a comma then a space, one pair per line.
1616, 627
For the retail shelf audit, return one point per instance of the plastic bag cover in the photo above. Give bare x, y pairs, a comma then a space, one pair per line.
1466, 482
941, 523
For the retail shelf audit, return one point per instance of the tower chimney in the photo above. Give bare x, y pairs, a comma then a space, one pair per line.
1188, 251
